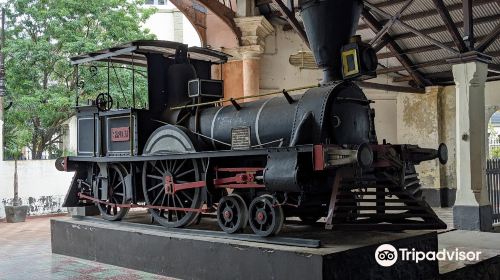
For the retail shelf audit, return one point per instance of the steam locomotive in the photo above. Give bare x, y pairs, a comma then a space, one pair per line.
310, 155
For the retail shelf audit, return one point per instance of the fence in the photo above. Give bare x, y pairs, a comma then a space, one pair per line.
493, 181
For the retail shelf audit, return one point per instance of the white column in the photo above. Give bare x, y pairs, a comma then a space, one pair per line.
472, 210
1, 129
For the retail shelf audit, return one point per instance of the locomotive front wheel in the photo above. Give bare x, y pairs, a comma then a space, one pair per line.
266, 219
116, 193
157, 176
232, 213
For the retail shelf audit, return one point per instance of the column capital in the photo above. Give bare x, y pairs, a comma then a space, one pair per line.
470, 73
254, 30
245, 52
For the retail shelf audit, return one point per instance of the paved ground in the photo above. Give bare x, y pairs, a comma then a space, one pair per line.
446, 215
25, 254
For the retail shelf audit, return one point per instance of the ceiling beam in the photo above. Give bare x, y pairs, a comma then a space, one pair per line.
392, 88
437, 29
411, 28
445, 78
419, 49
489, 39
387, 26
395, 49
468, 23
439, 62
450, 25
292, 20
429, 13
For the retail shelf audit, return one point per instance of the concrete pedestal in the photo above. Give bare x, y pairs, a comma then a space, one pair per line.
84, 211
191, 255
16, 214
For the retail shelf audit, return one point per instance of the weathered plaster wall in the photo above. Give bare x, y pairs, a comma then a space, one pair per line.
418, 123
429, 120
276, 71
41, 186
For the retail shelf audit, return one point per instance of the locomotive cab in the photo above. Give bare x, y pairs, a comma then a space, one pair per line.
145, 76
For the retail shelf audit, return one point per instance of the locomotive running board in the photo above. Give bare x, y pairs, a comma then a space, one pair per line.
277, 240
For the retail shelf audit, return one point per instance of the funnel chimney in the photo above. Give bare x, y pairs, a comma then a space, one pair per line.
329, 24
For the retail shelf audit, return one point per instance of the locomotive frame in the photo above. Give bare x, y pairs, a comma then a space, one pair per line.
128, 158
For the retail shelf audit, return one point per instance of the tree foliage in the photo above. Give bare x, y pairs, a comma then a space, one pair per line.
41, 35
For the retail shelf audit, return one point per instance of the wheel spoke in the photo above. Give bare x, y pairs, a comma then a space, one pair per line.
158, 196
159, 170
184, 173
174, 164
180, 201
154, 177
179, 167
184, 193
176, 213
155, 187
121, 182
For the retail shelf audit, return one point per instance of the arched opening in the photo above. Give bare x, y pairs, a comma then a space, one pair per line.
493, 135
173, 23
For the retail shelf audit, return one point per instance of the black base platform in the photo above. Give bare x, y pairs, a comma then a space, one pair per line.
196, 254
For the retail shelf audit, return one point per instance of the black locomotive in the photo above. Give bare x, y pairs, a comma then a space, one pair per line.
310, 156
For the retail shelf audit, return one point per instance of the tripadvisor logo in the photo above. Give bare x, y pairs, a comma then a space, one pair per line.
386, 255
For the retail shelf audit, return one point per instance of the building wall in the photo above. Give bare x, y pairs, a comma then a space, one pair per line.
41, 186
168, 23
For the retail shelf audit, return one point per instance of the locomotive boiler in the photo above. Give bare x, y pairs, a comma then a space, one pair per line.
312, 155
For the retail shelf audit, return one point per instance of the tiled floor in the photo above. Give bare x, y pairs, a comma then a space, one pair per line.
25, 254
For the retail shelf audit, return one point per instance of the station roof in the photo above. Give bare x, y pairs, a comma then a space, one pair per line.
134, 53
417, 56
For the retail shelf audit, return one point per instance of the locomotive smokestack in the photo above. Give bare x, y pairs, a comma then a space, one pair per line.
329, 24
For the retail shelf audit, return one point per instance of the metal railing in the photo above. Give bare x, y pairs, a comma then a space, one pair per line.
493, 182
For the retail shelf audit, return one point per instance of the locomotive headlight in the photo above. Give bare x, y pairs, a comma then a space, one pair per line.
364, 155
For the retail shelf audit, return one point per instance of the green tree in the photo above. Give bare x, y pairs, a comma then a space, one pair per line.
40, 36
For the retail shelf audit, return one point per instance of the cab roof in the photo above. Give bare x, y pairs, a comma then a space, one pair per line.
134, 53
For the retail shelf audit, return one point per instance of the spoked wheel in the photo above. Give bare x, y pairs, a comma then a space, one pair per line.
266, 219
116, 193
158, 180
232, 213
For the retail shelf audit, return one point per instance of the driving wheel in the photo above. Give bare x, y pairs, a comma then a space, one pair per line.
266, 218
232, 213
174, 207
114, 182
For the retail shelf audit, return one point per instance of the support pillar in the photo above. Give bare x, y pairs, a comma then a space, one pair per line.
472, 210
251, 73
254, 30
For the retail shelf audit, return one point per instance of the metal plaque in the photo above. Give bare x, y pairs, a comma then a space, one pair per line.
240, 138
120, 134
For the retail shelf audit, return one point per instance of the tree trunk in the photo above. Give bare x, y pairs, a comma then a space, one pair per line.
16, 185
